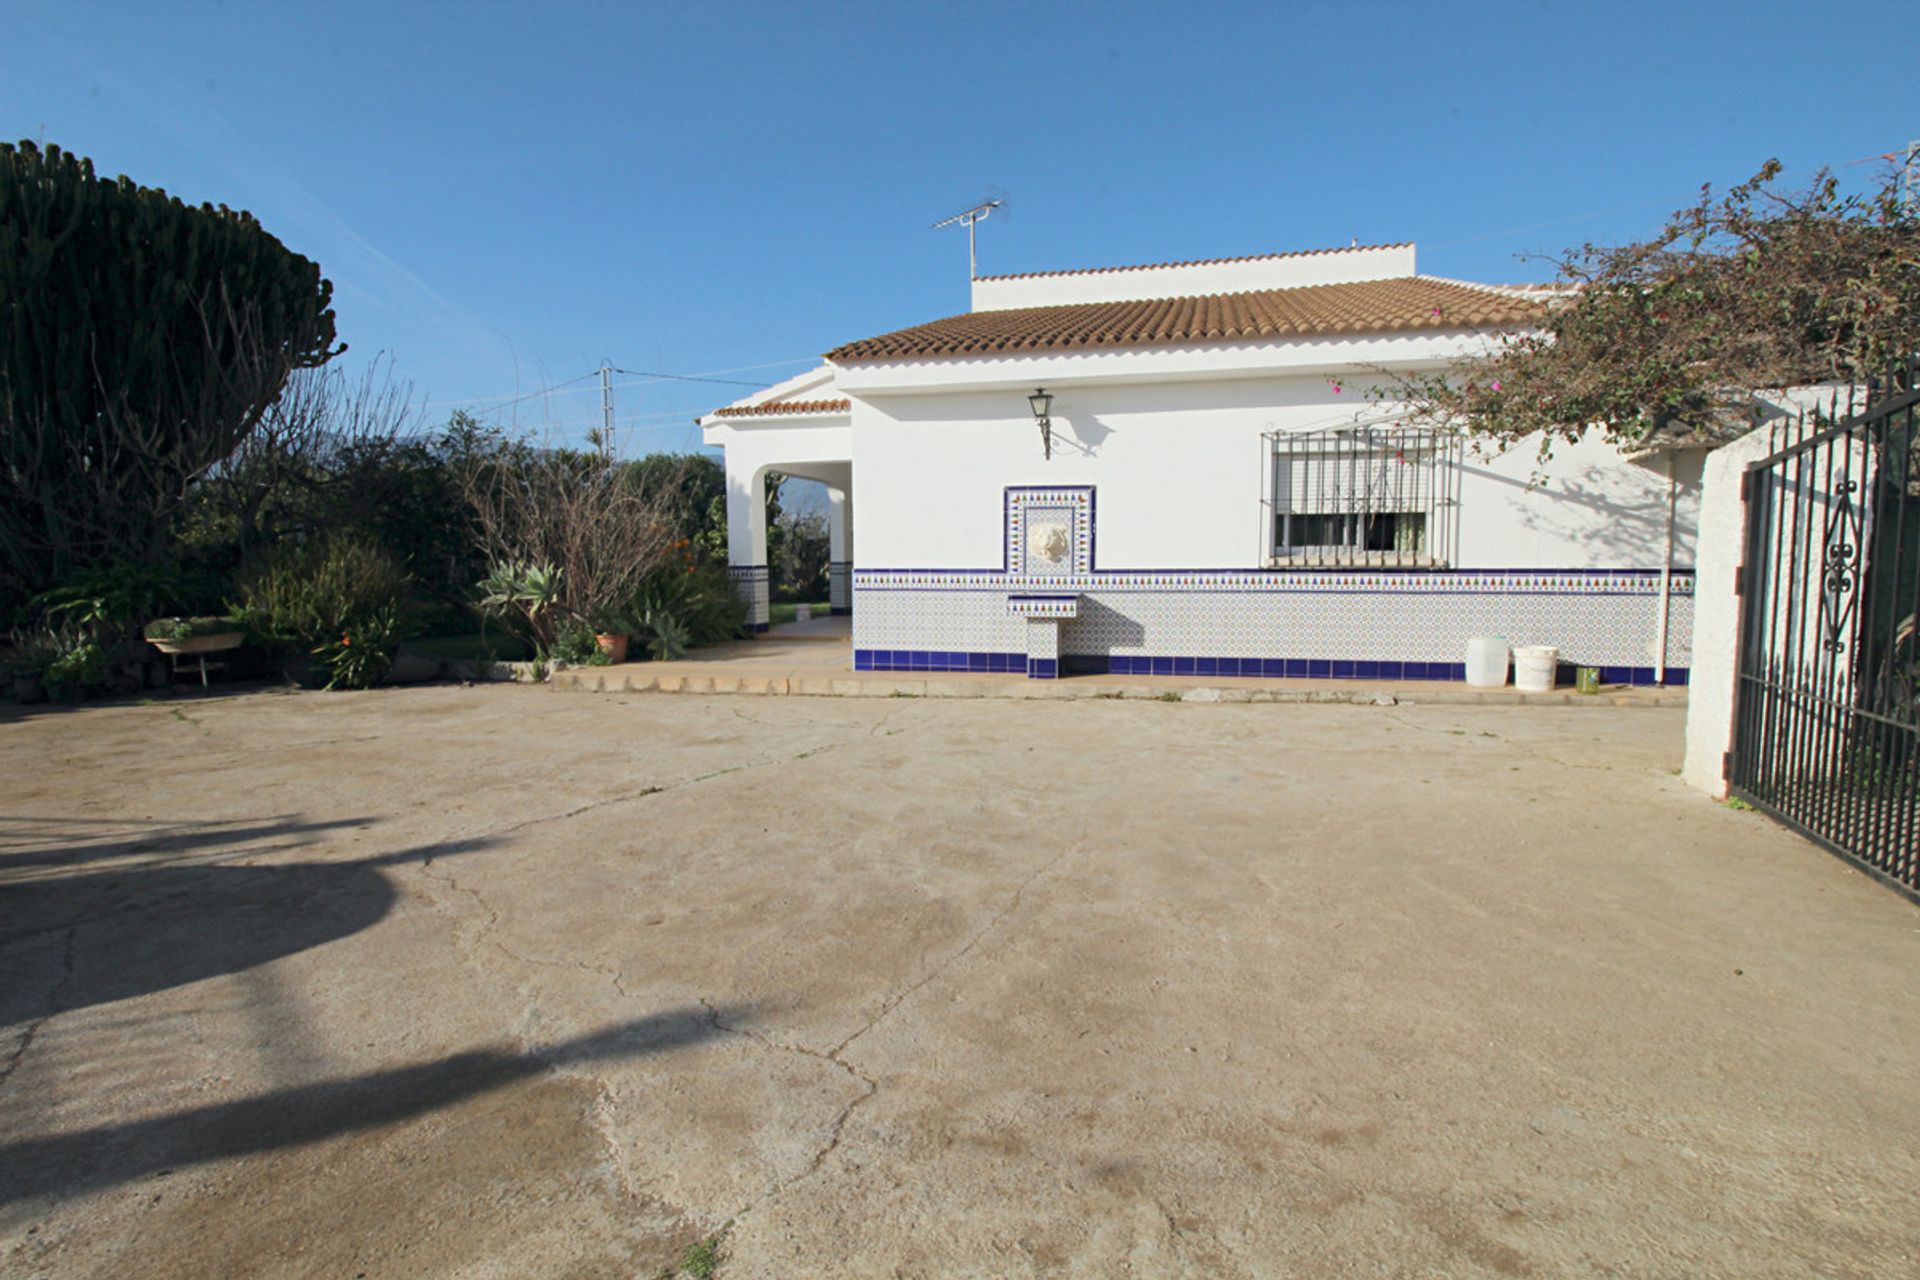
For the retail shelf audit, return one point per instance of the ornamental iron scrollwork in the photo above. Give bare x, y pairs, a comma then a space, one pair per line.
1840, 574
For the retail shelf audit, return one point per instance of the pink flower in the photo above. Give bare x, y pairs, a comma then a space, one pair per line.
1496, 384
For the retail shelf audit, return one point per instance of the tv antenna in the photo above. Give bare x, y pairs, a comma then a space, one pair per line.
972, 218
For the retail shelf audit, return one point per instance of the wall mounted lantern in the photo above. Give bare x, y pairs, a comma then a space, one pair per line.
1043, 415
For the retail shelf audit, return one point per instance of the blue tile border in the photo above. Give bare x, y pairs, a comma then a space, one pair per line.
939, 660
1231, 668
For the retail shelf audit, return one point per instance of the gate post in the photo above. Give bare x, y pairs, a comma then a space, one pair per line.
1716, 610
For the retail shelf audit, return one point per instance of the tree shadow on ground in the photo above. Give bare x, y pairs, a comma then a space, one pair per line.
113, 934
109, 1155
24, 842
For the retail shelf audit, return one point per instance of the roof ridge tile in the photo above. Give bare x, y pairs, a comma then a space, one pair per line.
1199, 262
771, 407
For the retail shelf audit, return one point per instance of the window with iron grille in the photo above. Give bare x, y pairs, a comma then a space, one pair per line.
1380, 497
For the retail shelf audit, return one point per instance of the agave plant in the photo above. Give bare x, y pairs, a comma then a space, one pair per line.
529, 591
666, 635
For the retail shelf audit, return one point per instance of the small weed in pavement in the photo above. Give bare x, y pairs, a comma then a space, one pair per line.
702, 1259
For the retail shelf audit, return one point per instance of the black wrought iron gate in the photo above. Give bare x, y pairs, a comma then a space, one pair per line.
1827, 711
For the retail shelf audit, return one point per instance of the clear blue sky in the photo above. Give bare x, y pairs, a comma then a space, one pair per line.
504, 195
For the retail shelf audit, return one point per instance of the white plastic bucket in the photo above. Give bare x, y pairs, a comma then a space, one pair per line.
803, 613
1534, 666
1487, 662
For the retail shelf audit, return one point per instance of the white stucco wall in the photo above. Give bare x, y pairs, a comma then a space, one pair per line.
1194, 279
1587, 507
1179, 471
1716, 612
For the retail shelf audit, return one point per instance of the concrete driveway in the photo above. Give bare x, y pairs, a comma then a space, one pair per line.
499, 982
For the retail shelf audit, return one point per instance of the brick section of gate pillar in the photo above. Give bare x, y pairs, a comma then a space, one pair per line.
1718, 558
753, 583
840, 586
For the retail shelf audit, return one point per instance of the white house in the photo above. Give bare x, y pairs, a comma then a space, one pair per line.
1211, 489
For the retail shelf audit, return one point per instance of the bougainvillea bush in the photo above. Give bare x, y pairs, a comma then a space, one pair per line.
1754, 289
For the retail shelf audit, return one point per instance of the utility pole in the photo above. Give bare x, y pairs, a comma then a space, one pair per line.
606, 409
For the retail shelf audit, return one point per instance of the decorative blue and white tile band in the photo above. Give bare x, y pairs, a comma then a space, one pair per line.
1640, 582
1598, 619
1044, 606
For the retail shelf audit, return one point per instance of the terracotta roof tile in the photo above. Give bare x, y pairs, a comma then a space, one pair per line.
1312, 311
1196, 262
772, 407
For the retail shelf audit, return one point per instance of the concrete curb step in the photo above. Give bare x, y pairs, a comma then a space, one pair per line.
641, 679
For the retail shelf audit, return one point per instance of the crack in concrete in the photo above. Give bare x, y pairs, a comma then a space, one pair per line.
603, 1110
644, 792
601, 1115
52, 1009
869, 1087
836, 1130
1013, 904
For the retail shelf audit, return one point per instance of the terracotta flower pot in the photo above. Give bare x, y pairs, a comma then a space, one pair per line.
615, 647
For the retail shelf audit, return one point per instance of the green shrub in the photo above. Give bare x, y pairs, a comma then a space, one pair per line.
362, 652
117, 598
343, 600
81, 666
65, 657
574, 642
684, 608
663, 633
30, 651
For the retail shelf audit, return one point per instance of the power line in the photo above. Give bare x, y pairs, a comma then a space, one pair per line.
669, 416
501, 402
687, 377
1543, 226
488, 404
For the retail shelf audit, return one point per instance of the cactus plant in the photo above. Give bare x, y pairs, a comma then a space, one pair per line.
141, 339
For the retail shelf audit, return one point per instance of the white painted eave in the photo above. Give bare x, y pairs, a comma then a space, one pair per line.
814, 384
715, 430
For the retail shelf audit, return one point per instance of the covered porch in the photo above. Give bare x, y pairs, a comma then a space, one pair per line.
747, 558
800, 429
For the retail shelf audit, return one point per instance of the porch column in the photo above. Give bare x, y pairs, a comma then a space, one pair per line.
747, 544
839, 551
